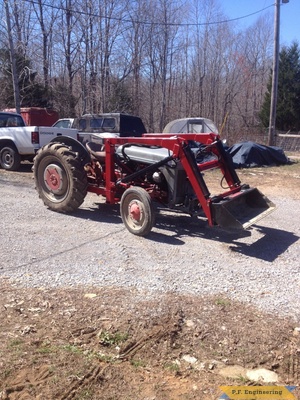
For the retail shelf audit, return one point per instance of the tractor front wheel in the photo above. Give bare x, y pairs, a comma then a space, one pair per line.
137, 211
59, 177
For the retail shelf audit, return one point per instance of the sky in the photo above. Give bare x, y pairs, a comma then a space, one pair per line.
289, 15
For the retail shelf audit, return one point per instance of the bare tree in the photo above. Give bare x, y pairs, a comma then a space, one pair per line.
46, 17
257, 57
87, 57
135, 39
13, 58
71, 42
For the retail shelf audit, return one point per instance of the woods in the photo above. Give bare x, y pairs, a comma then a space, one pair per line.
288, 102
158, 59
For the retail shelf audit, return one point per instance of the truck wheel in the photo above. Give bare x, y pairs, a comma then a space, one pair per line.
59, 177
137, 211
10, 159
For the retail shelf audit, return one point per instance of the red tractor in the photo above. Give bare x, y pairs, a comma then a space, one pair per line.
168, 169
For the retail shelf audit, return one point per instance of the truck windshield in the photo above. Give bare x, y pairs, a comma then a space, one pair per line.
202, 126
11, 120
64, 123
195, 128
103, 123
109, 123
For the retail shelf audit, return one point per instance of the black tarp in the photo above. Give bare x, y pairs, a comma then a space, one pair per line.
251, 154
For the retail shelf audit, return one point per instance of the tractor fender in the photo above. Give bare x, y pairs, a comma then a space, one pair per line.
76, 147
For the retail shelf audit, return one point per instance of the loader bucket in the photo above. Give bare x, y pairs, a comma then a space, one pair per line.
242, 209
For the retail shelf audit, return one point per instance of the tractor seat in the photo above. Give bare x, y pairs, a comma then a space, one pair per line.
96, 151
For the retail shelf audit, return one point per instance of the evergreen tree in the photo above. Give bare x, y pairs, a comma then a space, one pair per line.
32, 93
63, 100
120, 99
288, 92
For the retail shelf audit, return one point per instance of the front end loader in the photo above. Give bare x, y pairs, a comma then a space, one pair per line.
137, 172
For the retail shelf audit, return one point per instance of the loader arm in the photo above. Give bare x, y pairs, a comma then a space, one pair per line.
238, 207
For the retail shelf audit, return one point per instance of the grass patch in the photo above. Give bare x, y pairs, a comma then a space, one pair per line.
137, 363
47, 350
172, 367
15, 343
72, 349
222, 302
110, 339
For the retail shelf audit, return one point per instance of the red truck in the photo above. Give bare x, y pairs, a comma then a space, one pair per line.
37, 116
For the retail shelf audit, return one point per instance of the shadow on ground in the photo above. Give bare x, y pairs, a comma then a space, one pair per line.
171, 229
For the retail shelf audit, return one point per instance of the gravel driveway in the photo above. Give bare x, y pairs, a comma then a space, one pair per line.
40, 248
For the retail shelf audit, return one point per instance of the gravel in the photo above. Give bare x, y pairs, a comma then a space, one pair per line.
40, 248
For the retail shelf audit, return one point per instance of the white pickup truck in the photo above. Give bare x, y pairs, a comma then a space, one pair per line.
19, 142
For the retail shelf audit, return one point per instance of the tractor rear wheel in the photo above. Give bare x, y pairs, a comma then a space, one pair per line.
59, 177
137, 211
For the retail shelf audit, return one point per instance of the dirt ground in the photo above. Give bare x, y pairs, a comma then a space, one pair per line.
108, 343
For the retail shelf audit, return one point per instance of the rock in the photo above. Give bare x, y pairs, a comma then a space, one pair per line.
233, 371
263, 375
189, 359
189, 323
296, 331
216, 364
256, 375
90, 295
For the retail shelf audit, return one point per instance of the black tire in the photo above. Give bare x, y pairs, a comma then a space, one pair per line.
137, 211
59, 177
10, 159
